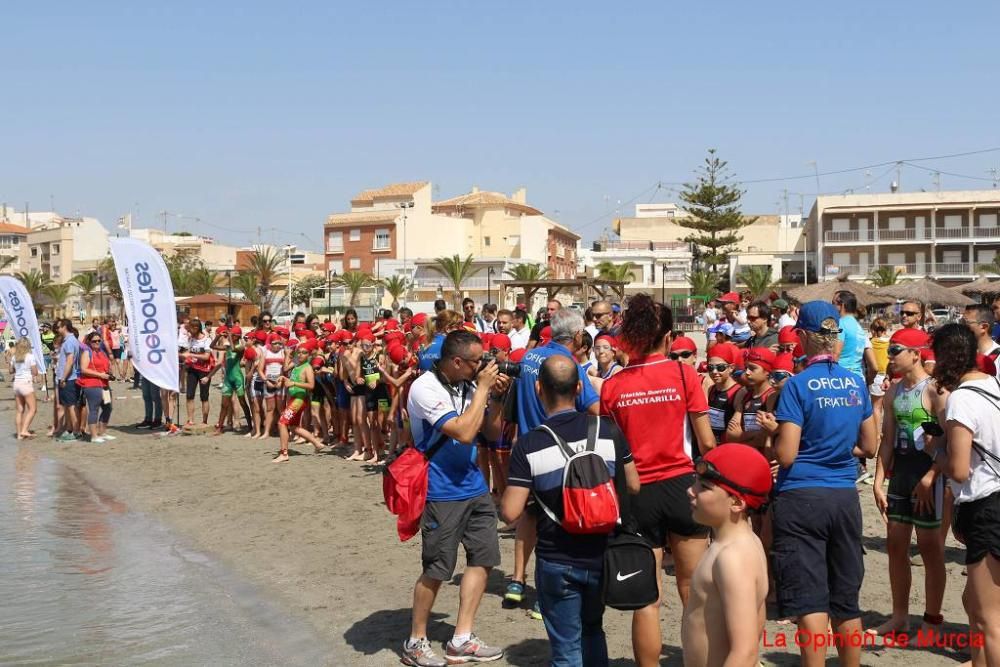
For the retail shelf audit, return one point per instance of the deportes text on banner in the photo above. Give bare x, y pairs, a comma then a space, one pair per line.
21, 316
152, 314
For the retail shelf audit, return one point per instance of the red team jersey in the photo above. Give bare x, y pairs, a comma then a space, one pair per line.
647, 402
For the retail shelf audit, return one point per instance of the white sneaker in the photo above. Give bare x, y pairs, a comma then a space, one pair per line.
109, 437
98, 439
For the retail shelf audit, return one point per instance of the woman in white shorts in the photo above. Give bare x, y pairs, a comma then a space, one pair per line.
25, 370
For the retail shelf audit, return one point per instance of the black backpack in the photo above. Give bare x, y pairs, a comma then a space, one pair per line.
629, 572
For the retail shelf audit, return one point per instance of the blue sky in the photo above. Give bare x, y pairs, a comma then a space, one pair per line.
273, 116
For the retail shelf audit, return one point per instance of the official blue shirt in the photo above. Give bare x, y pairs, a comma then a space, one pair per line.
530, 412
853, 337
453, 473
829, 403
431, 354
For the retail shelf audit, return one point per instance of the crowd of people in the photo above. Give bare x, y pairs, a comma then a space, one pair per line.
740, 465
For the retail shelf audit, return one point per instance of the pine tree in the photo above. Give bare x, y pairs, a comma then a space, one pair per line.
713, 207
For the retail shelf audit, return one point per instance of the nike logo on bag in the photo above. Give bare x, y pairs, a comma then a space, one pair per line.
627, 576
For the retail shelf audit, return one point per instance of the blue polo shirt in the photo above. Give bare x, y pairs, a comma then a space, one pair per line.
431, 354
853, 337
530, 412
829, 403
453, 473
70, 345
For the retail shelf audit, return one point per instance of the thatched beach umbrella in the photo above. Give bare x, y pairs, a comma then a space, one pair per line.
824, 291
926, 291
982, 286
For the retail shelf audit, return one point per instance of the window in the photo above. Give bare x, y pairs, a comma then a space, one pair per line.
486, 241
34, 251
335, 266
355, 234
355, 263
381, 239
55, 272
335, 242
55, 248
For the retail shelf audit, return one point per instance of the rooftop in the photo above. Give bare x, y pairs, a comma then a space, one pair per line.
483, 199
7, 228
362, 217
943, 198
393, 190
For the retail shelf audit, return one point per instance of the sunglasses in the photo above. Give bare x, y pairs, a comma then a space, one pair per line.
265, 321
717, 368
601, 314
909, 313
709, 472
778, 376
896, 349
753, 318
686, 354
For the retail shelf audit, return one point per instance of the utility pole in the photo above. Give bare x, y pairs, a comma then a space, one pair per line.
404, 206
993, 174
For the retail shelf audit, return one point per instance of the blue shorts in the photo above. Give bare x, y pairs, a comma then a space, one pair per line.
818, 559
343, 398
69, 394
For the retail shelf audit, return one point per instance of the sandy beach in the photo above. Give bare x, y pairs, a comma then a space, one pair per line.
315, 534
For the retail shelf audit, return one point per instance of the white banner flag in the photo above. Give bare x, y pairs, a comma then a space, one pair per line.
152, 313
21, 316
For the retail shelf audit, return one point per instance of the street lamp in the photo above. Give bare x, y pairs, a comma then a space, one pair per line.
229, 303
100, 298
663, 283
405, 206
489, 273
330, 277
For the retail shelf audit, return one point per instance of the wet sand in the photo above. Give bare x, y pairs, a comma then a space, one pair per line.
315, 533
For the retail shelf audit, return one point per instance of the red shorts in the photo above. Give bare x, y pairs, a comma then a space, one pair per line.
292, 414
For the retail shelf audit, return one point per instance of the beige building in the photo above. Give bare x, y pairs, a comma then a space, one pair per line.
214, 256
778, 241
399, 230
941, 235
12, 241
659, 267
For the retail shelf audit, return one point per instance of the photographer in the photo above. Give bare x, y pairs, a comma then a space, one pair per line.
449, 406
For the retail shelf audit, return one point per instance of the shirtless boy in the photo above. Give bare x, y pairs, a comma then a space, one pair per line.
725, 613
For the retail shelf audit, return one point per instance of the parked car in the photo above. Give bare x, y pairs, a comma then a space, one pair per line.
284, 318
942, 315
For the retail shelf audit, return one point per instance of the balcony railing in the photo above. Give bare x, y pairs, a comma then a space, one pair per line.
953, 269
909, 269
917, 234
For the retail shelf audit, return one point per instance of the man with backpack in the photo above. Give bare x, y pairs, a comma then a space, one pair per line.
448, 410
577, 466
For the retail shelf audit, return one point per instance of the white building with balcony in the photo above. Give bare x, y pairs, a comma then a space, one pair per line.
940, 235
658, 267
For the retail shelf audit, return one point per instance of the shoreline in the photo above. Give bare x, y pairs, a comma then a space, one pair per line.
313, 535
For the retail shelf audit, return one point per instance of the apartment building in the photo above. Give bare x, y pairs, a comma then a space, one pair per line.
399, 230
64, 246
940, 235
658, 267
777, 241
12, 240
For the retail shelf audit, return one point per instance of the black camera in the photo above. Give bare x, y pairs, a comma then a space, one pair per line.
508, 368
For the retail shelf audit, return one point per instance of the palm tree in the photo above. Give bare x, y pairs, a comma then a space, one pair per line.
528, 273
616, 271
35, 283
6, 261
57, 293
703, 283
107, 277
354, 282
265, 264
884, 276
86, 284
993, 267
456, 270
396, 286
201, 281
757, 279
246, 282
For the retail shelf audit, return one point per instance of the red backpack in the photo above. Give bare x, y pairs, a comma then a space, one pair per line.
590, 503
404, 487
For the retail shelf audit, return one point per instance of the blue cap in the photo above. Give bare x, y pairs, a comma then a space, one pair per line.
722, 327
812, 314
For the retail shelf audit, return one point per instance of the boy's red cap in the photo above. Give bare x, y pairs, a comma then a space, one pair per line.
250, 354
236, 331
761, 356
260, 336
329, 327
743, 466
221, 331
784, 362
681, 344
518, 354
545, 334
727, 352
397, 353
914, 339
787, 335
281, 331
500, 342
292, 342
419, 320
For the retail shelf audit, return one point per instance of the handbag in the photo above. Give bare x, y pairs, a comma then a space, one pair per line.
630, 574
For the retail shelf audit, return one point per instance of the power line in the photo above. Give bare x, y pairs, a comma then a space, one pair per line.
934, 170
